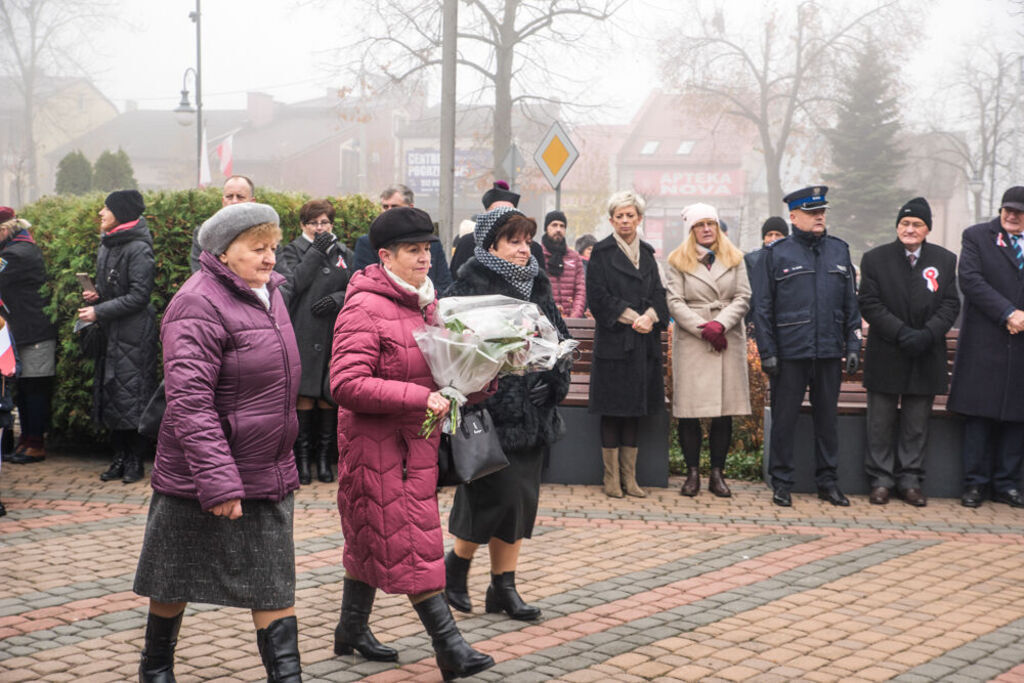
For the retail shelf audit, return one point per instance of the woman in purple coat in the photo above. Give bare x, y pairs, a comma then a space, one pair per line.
220, 521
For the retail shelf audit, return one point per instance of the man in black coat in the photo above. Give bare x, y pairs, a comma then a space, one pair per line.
772, 230
989, 363
908, 295
806, 320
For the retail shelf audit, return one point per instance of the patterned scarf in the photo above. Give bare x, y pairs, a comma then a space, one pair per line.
520, 277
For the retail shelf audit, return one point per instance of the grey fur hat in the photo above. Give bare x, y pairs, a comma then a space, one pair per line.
221, 229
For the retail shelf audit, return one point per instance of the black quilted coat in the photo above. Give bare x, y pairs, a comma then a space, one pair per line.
125, 375
521, 425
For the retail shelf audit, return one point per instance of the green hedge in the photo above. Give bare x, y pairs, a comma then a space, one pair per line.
67, 228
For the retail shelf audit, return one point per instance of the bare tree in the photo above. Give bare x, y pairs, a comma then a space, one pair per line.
981, 112
38, 38
507, 44
780, 79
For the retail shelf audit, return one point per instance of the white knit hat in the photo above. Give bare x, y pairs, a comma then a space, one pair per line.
694, 213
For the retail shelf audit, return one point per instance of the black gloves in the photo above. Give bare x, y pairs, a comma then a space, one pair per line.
324, 241
770, 366
540, 393
852, 363
913, 341
325, 307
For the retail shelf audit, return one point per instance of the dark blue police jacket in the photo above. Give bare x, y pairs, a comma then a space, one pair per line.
805, 299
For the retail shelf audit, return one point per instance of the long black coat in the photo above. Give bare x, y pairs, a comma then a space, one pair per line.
520, 424
892, 294
989, 362
22, 275
627, 376
125, 375
311, 275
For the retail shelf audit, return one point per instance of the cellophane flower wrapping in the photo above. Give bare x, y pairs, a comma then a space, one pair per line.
483, 337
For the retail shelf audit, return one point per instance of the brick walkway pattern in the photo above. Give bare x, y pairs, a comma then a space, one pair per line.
661, 589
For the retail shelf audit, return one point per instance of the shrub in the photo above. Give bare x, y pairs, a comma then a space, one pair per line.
66, 229
74, 174
113, 172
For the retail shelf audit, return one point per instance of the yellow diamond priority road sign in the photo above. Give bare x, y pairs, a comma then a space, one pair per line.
556, 154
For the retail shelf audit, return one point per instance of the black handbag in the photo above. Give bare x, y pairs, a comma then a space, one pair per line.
92, 340
153, 414
472, 452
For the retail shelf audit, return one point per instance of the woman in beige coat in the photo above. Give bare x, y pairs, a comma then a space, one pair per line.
708, 295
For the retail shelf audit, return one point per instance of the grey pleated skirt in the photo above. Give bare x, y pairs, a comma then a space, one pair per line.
193, 556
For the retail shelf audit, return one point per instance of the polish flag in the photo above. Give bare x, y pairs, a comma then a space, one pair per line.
204, 164
224, 153
6, 351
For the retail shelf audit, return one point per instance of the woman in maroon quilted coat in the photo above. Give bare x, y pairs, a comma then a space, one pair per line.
220, 521
387, 473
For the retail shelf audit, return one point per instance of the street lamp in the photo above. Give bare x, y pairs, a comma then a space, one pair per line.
976, 184
184, 112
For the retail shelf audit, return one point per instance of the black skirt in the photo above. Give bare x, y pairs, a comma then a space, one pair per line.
193, 556
501, 505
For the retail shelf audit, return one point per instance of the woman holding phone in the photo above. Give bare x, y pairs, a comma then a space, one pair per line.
125, 370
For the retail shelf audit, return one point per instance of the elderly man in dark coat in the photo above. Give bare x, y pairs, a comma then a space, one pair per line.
990, 354
908, 295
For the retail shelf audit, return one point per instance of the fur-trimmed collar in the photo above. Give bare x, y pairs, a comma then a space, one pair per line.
482, 280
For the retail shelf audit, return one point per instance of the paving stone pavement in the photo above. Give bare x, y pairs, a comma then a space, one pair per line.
665, 588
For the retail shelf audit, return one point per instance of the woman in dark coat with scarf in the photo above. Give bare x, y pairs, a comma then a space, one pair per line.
627, 300
22, 275
219, 528
317, 268
500, 509
125, 373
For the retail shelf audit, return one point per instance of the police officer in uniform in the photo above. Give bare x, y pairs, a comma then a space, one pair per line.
806, 321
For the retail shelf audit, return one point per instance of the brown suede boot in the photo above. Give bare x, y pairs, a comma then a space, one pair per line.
612, 487
627, 463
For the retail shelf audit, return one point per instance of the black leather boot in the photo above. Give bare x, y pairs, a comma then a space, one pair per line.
503, 597
691, 487
327, 447
455, 658
3, 510
717, 485
353, 631
279, 648
116, 469
304, 445
456, 571
157, 662
133, 467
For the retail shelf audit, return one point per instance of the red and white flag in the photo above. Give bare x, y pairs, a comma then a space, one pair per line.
224, 153
7, 364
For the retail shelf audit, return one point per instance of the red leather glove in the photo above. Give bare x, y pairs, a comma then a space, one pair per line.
714, 333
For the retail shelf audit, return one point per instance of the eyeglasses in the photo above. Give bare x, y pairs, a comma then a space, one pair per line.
320, 224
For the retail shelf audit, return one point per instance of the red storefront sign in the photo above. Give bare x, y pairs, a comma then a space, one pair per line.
689, 183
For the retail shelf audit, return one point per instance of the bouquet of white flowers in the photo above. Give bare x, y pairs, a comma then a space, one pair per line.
483, 337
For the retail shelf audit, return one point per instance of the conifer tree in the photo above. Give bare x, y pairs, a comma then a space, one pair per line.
864, 192
113, 172
74, 174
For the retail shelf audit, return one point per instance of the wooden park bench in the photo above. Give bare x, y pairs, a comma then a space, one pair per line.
576, 458
943, 468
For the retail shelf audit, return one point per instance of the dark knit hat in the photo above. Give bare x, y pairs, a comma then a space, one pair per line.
126, 205
1013, 199
401, 224
500, 193
6, 214
554, 216
916, 208
487, 224
221, 229
775, 224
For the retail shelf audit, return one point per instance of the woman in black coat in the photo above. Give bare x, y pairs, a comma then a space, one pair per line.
317, 268
125, 373
22, 275
627, 300
500, 509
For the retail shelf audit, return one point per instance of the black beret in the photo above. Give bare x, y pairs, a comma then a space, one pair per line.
126, 205
401, 224
500, 193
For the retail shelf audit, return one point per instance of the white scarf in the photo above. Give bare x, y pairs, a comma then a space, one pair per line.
424, 293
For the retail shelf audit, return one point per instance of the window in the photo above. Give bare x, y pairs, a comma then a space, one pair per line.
685, 147
650, 147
